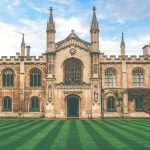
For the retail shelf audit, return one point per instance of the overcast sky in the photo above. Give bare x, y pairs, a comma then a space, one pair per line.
132, 17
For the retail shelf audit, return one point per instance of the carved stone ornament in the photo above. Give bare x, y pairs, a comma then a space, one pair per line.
72, 51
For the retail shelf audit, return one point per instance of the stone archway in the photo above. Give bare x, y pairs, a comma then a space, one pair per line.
72, 102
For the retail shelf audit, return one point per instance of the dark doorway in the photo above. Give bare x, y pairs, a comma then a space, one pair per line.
72, 106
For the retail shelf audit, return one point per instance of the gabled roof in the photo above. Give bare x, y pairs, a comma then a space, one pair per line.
74, 40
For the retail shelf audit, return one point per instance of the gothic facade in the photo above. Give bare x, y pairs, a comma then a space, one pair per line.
74, 79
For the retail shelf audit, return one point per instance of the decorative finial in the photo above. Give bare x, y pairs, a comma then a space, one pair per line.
51, 9
94, 8
122, 40
72, 31
23, 42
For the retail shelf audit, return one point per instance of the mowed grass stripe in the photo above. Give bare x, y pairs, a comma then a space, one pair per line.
61, 140
34, 142
119, 134
108, 135
48, 140
22, 138
136, 126
134, 130
10, 125
73, 140
6, 121
14, 132
100, 139
85, 138
140, 122
137, 142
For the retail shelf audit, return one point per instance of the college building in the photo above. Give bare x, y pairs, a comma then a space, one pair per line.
74, 79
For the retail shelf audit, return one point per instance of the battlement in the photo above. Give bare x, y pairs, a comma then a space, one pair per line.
15, 59
132, 58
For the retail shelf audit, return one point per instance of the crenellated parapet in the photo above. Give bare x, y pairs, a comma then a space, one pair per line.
17, 59
120, 58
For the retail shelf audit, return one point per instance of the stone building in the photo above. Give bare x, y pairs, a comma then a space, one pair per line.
74, 79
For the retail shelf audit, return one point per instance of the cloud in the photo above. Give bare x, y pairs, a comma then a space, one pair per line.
114, 17
9, 38
64, 27
133, 46
123, 10
62, 1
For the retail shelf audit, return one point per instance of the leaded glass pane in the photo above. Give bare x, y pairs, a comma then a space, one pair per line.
72, 71
35, 77
7, 104
34, 105
111, 104
8, 77
138, 77
110, 77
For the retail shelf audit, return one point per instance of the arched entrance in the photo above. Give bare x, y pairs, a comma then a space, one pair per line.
72, 106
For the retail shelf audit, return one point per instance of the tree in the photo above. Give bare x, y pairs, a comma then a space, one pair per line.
118, 95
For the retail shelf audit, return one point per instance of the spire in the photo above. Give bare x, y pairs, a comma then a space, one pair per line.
23, 46
94, 25
122, 45
122, 41
50, 23
94, 32
51, 32
23, 42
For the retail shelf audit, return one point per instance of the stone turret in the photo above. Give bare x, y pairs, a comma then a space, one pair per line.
23, 46
122, 45
146, 50
94, 32
51, 32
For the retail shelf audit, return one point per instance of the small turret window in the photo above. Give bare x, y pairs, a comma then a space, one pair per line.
8, 77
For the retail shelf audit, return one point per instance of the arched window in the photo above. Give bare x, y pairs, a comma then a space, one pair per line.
111, 104
7, 104
73, 71
34, 104
138, 77
110, 77
138, 103
35, 77
8, 77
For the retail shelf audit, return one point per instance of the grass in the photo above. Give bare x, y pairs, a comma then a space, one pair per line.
107, 134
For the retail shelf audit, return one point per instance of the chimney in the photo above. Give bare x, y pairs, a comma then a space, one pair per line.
28, 51
146, 50
17, 55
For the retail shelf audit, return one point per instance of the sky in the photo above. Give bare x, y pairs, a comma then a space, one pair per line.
132, 17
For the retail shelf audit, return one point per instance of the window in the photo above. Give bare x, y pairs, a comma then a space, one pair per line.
7, 104
34, 104
138, 77
111, 104
72, 71
138, 104
8, 77
35, 77
110, 77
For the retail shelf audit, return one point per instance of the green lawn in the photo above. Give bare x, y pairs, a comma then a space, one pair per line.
107, 134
